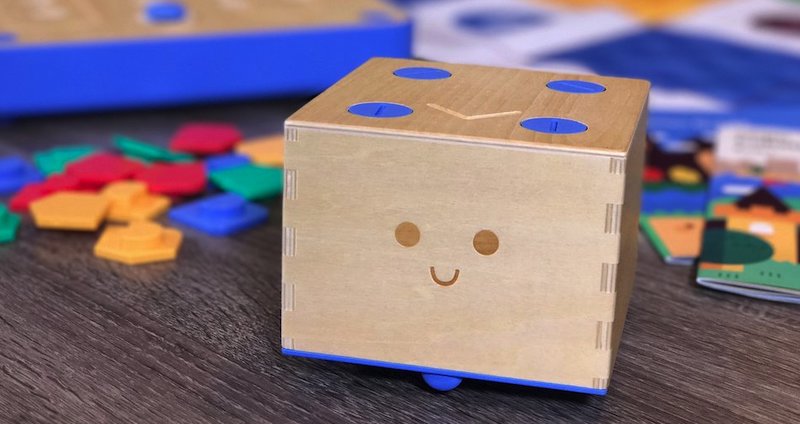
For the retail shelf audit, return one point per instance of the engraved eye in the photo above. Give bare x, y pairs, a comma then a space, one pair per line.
407, 234
486, 242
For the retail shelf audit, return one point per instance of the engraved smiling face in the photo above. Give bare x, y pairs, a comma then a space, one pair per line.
485, 242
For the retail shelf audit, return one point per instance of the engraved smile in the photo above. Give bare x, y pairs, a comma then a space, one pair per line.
443, 283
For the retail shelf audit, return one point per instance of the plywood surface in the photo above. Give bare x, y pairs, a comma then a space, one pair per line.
484, 105
531, 310
47, 21
198, 341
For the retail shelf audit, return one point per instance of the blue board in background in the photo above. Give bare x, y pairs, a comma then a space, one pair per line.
55, 77
741, 76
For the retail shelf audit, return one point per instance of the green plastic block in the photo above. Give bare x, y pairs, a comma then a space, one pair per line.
147, 152
252, 182
9, 223
55, 160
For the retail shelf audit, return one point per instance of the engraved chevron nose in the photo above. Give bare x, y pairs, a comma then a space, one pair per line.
472, 117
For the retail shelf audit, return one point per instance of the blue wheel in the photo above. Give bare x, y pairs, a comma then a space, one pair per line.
442, 383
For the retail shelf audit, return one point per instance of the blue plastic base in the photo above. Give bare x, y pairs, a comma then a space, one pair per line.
442, 372
442, 383
79, 76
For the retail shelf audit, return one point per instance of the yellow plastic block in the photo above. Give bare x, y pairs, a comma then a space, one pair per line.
139, 242
264, 151
130, 201
70, 210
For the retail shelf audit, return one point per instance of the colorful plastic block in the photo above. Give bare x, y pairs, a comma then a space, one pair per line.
60, 182
55, 160
130, 201
148, 152
100, 169
205, 138
174, 179
252, 182
264, 151
15, 172
9, 223
233, 160
139, 242
220, 215
70, 210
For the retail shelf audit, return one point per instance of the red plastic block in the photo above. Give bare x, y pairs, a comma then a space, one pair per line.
61, 182
653, 175
97, 170
174, 179
205, 138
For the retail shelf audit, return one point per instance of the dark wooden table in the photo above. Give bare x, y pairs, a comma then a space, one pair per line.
83, 340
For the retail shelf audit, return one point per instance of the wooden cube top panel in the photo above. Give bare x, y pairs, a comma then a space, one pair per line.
481, 104
72, 20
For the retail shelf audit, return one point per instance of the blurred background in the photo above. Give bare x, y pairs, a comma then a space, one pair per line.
717, 67
181, 103
714, 65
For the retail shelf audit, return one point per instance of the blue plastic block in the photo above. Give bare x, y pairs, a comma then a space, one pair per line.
676, 127
220, 162
220, 215
576, 86
674, 200
442, 372
442, 383
44, 78
553, 125
729, 185
165, 11
422, 73
380, 110
15, 172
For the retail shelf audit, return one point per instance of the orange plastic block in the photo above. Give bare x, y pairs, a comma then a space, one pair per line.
264, 151
648, 11
130, 201
139, 242
70, 210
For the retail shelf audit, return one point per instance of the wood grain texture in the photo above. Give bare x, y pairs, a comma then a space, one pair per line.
501, 97
530, 311
74, 20
83, 340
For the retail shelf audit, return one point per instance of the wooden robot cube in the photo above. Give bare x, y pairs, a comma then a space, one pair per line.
464, 222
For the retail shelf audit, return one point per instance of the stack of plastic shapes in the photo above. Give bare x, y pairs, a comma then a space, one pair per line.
139, 242
130, 201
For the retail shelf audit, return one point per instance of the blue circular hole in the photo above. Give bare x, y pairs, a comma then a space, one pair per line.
422, 73
575, 86
380, 110
165, 11
554, 125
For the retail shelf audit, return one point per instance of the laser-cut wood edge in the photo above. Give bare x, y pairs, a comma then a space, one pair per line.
289, 240
290, 184
449, 139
